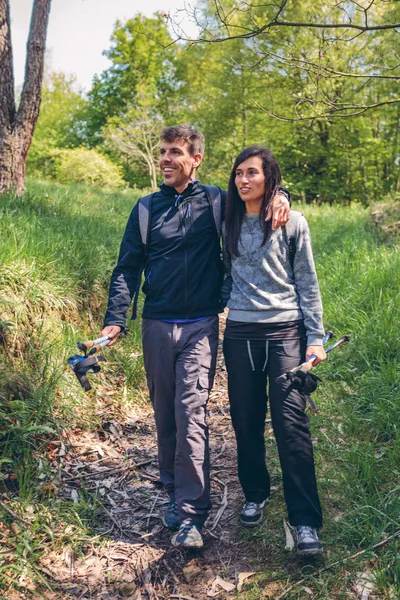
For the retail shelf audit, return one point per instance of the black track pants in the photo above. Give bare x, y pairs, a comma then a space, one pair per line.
249, 363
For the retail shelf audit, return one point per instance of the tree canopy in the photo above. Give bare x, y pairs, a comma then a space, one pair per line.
316, 82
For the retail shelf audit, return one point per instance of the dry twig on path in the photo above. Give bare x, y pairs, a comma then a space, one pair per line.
109, 471
221, 510
13, 514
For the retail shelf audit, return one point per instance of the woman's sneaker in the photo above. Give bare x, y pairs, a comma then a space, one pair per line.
170, 517
307, 541
252, 513
189, 536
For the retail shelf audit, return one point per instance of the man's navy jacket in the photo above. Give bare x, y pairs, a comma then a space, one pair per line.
182, 267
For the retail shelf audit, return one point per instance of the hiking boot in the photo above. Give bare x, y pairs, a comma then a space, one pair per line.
170, 518
188, 536
307, 541
251, 513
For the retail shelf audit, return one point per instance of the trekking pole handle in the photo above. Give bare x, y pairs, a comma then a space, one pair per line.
100, 340
99, 346
327, 336
90, 344
345, 338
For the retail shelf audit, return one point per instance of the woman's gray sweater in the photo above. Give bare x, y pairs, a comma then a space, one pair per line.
265, 288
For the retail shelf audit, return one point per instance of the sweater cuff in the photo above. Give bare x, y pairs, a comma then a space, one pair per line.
314, 341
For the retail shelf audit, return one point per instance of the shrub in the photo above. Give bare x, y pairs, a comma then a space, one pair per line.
81, 165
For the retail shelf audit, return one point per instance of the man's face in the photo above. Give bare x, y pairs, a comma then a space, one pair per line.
177, 165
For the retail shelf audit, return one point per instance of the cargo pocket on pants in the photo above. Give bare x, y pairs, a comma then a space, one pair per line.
206, 379
204, 384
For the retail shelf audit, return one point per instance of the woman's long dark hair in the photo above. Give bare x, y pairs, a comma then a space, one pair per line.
235, 208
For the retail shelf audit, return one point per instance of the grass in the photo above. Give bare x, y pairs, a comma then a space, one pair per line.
57, 249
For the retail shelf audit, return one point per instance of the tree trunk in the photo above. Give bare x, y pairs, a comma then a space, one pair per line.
16, 128
153, 175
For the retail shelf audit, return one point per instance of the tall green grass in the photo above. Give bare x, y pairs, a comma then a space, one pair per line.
57, 249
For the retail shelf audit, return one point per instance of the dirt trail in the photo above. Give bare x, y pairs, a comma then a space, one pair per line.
133, 556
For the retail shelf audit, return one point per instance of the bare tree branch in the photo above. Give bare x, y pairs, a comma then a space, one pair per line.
320, 69
229, 22
335, 112
255, 32
138, 139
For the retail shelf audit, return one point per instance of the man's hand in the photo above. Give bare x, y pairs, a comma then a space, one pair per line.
112, 331
319, 353
278, 211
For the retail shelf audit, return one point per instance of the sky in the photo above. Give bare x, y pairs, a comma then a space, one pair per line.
79, 31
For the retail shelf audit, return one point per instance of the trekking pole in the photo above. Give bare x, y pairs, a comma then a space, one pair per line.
306, 366
345, 338
88, 363
94, 345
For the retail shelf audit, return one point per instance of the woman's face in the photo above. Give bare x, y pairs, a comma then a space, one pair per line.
250, 180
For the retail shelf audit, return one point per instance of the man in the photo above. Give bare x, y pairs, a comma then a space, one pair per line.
183, 276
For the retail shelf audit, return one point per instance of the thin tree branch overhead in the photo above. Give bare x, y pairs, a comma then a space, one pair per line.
257, 19
336, 111
339, 40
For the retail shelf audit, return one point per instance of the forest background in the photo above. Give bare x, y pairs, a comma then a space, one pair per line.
325, 101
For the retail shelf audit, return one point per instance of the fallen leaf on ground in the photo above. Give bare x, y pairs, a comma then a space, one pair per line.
99, 450
289, 544
242, 578
219, 582
364, 585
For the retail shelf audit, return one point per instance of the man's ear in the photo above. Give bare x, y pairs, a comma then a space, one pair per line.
197, 158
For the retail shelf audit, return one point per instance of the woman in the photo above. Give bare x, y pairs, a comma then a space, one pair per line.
274, 324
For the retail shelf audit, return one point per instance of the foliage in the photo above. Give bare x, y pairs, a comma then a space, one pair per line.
263, 92
136, 138
287, 89
142, 66
232, 91
81, 165
58, 123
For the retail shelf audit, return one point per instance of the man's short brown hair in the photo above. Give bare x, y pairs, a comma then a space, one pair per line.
194, 138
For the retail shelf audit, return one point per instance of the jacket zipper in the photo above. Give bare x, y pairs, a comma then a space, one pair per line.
184, 213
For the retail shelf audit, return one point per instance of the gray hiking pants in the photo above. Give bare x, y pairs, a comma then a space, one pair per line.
179, 360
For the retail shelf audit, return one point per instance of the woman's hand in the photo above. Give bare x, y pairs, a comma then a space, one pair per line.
278, 210
319, 353
112, 331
